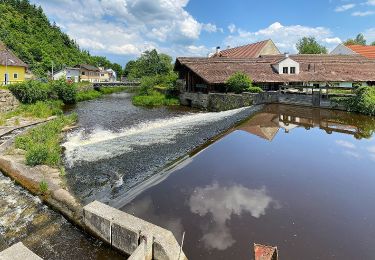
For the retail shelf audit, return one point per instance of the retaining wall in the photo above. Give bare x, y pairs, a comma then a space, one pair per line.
130, 234
8, 102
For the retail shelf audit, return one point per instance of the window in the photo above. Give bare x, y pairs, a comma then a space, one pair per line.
15, 75
102, 75
292, 70
285, 70
83, 73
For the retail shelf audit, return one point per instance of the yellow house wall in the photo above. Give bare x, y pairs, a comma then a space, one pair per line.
11, 70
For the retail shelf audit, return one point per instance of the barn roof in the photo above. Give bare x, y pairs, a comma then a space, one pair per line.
319, 68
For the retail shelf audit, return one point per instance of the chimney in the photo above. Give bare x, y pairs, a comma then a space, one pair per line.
286, 54
217, 50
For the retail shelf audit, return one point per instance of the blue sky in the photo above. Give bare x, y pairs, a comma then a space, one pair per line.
123, 29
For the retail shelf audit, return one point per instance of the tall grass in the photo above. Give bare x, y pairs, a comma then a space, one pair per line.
154, 98
42, 143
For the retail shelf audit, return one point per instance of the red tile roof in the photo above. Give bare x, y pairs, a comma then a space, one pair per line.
319, 68
246, 51
366, 51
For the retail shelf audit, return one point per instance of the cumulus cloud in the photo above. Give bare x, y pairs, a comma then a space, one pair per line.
370, 2
343, 8
345, 144
224, 202
362, 14
232, 28
285, 37
128, 27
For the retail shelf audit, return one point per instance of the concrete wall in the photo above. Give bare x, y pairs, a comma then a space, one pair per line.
18, 252
130, 234
8, 102
341, 49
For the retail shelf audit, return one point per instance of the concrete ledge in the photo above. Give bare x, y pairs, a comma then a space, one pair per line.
126, 231
18, 252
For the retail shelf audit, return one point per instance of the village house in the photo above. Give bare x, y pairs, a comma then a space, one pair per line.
271, 71
108, 75
89, 73
12, 69
363, 50
68, 73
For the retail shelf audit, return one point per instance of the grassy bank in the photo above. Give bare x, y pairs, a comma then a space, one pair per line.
363, 102
42, 143
155, 99
93, 94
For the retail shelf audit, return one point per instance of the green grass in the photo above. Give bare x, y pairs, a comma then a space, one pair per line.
88, 95
40, 109
42, 143
155, 99
110, 90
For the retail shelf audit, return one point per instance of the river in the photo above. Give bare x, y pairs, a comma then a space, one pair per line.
298, 178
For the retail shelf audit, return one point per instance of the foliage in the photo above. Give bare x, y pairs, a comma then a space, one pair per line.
40, 109
163, 82
88, 95
254, 89
64, 91
155, 98
30, 91
238, 83
358, 40
309, 45
373, 43
42, 143
26, 30
43, 187
150, 63
363, 102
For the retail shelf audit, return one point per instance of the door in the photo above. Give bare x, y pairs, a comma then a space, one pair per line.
316, 97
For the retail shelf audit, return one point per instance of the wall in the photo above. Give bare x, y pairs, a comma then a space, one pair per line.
342, 50
7, 101
288, 62
269, 49
221, 102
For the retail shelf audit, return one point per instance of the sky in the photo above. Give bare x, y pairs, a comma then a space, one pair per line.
122, 29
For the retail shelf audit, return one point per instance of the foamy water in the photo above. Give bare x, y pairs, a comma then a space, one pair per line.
104, 144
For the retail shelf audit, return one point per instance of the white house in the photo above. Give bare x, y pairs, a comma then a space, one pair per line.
112, 75
67, 73
287, 66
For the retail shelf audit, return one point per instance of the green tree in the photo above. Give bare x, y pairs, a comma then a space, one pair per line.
309, 45
150, 63
358, 40
373, 43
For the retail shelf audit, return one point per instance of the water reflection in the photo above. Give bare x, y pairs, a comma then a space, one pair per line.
224, 202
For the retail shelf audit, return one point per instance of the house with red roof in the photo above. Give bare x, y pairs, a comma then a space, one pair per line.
363, 50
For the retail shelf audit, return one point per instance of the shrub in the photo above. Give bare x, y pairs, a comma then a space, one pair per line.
363, 102
37, 154
65, 91
88, 95
30, 91
165, 82
238, 83
38, 110
254, 89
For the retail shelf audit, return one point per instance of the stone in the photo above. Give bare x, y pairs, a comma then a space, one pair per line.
18, 252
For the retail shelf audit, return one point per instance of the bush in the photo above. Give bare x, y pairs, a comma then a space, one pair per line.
64, 91
88, 95
364, 101
30, 91
36, 155
238, 83
165, 82
254, 89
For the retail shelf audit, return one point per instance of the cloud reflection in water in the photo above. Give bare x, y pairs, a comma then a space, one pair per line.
222, 203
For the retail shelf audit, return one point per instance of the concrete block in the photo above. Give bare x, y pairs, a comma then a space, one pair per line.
18, 252
124, 237
97, 220
139, 253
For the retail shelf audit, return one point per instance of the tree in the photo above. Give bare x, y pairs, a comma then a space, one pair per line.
309, 45
373, 43
359, 40
150, 63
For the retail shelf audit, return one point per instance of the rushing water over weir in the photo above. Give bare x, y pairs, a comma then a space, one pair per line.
107, 158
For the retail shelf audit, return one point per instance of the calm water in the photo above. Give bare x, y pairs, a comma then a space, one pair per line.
301, 179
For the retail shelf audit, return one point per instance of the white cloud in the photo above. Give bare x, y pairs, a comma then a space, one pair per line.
128, 27
232, 28
224, 202
370, 2
345, 144
333, 40
285, 37
345, 7
362, 14
370, 34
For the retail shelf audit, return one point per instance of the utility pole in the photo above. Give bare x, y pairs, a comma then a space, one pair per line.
52, 70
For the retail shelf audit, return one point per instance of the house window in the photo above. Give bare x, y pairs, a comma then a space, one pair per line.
292, 70
101, 75
83, 73
285, 70
15, 75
